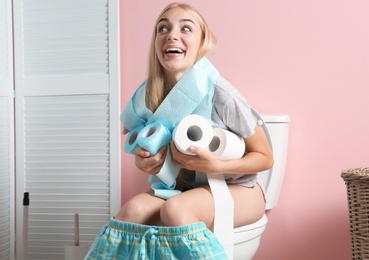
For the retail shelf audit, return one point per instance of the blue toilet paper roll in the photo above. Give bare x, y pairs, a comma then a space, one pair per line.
131, 142
153, 137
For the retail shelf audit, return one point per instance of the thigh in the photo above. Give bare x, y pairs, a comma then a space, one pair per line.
198, 205
249, 204
189, 207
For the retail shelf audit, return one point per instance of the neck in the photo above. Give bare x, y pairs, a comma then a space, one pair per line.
171, 79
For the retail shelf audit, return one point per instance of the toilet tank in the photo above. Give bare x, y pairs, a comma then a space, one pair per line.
277, 135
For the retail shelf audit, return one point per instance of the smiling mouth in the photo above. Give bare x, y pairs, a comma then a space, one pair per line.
174, 51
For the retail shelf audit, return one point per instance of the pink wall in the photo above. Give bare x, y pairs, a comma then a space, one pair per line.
309, 59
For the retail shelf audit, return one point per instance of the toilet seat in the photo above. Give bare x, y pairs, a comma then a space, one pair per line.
250, 231
247, 239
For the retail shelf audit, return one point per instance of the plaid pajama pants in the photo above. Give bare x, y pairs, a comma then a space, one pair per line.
124, 240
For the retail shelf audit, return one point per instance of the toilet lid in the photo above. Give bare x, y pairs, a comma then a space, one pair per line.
263, 177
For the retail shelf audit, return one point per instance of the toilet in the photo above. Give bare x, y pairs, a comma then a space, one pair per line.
275, 128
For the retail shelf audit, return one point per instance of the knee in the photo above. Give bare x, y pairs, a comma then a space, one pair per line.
131, 212
173, 213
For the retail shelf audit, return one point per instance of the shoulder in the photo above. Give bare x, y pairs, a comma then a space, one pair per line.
227, 97
232, 108
225, 87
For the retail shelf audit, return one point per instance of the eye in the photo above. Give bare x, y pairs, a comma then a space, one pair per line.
186, 29
162, 28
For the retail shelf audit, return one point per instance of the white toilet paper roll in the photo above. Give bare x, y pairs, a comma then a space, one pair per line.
193, 130
226, 145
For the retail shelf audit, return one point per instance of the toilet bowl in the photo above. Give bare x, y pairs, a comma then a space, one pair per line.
247, 239
275, 128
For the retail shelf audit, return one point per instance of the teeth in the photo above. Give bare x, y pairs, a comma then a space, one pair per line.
173, 50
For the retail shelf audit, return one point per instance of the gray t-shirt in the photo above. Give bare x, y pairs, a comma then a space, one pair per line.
231, 112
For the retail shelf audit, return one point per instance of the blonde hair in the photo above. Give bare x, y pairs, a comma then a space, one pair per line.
155, 89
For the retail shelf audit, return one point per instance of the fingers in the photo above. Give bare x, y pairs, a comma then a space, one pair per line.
150, 164
201, 160
196, 151
184, 160
142, 152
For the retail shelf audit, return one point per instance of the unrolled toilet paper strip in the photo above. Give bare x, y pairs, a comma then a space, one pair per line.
193, 130
163, 191
224, 145
193, 94
224, 212
168, 174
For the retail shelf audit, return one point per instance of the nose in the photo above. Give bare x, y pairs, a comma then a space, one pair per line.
172, 36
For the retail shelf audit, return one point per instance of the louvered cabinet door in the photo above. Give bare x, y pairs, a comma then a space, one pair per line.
67, 120
6, 134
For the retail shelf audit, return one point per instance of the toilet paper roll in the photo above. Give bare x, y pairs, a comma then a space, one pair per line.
226, 145
153, 137
72, 252
193, 130
131, 142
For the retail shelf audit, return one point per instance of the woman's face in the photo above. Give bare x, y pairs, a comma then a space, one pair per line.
177, 42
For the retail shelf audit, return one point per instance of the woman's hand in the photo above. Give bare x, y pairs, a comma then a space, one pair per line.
150, 164
202, 160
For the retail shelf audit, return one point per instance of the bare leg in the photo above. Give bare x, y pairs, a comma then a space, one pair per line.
188, 207
249, 204
144, 208
197, 205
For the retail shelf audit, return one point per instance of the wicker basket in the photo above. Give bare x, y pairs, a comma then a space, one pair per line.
357, 183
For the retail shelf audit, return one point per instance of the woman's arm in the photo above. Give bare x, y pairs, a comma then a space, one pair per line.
258, 157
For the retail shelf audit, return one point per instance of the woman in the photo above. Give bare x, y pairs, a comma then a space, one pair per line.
181, 39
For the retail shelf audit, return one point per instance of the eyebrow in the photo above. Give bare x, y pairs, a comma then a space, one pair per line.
181, 20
